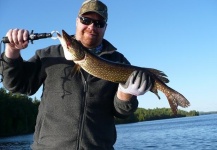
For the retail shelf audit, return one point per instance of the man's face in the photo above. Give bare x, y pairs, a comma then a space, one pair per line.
89, 35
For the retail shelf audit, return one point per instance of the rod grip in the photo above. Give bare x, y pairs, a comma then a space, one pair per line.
5, 40
33, 36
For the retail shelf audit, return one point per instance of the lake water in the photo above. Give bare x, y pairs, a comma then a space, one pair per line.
189, 133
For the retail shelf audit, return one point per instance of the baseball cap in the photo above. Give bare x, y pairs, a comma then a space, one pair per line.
94, 6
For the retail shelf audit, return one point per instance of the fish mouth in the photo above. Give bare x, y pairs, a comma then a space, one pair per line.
65, 34
73, 46
67, 38
64, 39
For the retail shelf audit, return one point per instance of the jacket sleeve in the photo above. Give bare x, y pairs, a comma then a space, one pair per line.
125, 108
21, 76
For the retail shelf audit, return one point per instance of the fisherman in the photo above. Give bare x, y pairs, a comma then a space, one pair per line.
75, 112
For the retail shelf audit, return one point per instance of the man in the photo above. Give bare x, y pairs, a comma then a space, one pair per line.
75, 112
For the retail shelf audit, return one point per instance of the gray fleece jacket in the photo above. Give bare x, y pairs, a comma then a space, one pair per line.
76, 112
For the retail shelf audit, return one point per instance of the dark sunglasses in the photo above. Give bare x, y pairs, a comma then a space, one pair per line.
88, 21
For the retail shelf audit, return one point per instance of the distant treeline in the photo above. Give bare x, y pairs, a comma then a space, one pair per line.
142, 114
208, 113
18, 114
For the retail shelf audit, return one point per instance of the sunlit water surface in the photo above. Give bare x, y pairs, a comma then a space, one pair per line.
189, 133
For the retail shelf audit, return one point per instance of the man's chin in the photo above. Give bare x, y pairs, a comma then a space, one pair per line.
89, 43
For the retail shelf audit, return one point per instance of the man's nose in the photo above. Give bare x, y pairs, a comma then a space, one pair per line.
91, 26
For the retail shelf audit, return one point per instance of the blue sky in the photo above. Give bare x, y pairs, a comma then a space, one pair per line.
178, 37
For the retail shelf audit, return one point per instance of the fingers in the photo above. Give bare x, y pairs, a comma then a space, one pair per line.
137, 84
9, 35
139, 78
15, 36
22, 35
18, 38
149, 85
145, 85
141, 81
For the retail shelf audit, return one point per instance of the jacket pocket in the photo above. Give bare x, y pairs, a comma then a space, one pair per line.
58, 121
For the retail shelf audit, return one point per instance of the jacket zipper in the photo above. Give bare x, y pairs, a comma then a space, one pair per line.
83, 113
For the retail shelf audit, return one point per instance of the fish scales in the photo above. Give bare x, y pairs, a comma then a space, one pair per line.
116, 72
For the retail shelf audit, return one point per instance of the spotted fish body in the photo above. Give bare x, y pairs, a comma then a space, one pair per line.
119, 73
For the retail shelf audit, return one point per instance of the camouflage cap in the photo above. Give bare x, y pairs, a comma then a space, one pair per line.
94, 6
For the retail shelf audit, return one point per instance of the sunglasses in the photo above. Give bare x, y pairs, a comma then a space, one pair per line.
88, 21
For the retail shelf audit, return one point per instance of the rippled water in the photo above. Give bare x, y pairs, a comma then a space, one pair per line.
189, 133
22, 142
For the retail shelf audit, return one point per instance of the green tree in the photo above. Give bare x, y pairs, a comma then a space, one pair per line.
142, 114
17, 113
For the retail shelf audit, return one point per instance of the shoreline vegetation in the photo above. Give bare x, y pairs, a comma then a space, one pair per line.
142, 114
18, 114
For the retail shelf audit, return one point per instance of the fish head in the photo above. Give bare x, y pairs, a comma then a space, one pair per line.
73, 50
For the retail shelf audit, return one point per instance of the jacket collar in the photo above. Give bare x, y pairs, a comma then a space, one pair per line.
108, 48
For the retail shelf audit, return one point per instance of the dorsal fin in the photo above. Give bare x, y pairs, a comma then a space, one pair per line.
161, 75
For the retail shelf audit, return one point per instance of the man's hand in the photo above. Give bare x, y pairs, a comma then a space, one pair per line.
18, 40
137, 84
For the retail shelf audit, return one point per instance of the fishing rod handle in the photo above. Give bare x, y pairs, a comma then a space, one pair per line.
32, 36
5, 40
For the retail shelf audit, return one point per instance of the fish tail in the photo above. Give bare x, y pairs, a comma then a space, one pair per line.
176, 99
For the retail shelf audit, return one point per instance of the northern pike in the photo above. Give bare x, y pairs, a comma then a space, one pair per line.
119, 73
